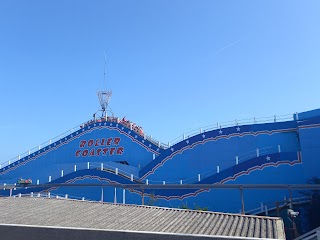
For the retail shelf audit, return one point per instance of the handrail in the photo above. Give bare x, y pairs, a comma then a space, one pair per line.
96, 165
271, 206
230, 163
71, 131
313, 234
220, 125
51, 195
149, 137
41, 146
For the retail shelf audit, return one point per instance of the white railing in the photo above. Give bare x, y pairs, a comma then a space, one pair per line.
189, 134
113, 169
223, 165
51, 195
220, 125
271, 206
41, 146
63, 135
312, 235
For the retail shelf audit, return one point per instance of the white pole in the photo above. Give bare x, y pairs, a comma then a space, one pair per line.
101, 166
237, 160
115, 195
199, 178
49, 178
180, 182
123, 196
257, 152
147, 182
38, 182
102, 194
164, 182
75, 168
279, 149
131, 177
88, 165
116, 171
61, 173
218, 169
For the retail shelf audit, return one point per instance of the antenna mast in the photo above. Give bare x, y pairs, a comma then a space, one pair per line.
104, 95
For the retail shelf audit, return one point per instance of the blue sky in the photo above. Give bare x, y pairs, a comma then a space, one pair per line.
173, 66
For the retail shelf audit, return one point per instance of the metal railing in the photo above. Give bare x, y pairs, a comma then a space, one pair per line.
220, 125
180, 138
312, 235
265, 208
67, 133
51, 195
223, 165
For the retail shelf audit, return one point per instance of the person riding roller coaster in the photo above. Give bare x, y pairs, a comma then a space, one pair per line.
22, 181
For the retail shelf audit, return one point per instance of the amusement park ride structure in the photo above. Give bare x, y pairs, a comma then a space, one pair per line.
104, 96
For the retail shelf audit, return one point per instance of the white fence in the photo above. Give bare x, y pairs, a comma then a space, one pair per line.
182, 137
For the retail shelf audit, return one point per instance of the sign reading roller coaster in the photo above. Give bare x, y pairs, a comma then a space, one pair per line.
99, 147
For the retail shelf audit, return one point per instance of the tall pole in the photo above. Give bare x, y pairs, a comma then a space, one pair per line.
242, 200
142, 197
101, 194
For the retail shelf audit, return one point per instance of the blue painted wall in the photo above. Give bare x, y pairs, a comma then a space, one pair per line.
288, 152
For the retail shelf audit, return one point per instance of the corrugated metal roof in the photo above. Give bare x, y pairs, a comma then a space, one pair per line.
83, 214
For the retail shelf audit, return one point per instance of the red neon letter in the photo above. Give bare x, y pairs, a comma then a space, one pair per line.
104, 151
112, 151
120, 150
109, 141
85, 153
98, 151
78, 153
116, 140
90, 142
83, 143
92, 152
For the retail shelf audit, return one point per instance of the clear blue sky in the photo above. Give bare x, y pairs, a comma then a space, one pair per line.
172, 65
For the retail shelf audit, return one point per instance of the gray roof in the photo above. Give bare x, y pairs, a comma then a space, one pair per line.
96, 215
